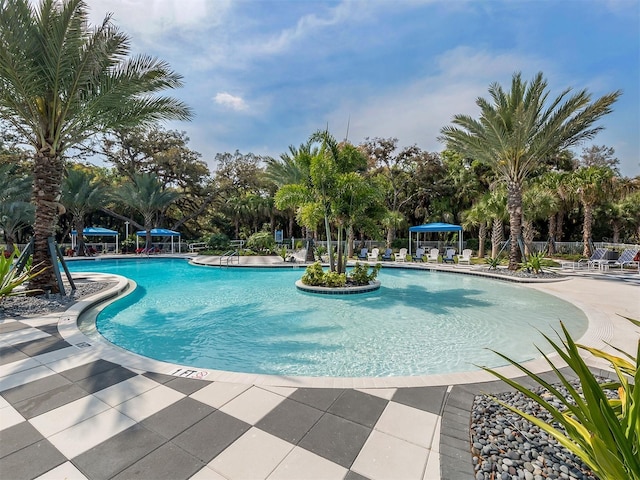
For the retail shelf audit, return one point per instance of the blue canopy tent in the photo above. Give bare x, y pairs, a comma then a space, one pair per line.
159, 232
94, 232
436, 227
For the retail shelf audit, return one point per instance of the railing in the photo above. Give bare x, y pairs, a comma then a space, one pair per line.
228, 257
197, 246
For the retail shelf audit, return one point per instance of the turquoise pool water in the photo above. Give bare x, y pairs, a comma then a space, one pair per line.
255, 320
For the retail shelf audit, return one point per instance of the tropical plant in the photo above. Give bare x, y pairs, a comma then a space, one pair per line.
519, 129
360, 274
493, 262
602, 430
262, 242
534, 262
63, 81
81, 193
335, 279
144, 194
10, 279
16, 212
313, 275
591, 185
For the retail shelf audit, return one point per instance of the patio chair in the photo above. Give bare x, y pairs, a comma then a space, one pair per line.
387, 255
598, 254
598, 259
449, 256
465, 257
373, 256
418, 257
628, 257
363, 255
434, 255
401, 256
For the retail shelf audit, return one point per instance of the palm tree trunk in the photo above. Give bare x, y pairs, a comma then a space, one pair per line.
47, 181
514, 207
616, 232
497, 237
329, 248
291, 218
552, 234
79, 221
528, 234
351, 239
482, 234
391, 236
586, 228
559, 226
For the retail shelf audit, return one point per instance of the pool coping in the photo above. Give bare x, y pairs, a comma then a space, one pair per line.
599, 332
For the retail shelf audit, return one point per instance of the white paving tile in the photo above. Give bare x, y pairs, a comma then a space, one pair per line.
384, 457
254, 455
301, 463
66, 471
9, 417
219, 393
150, 402
68, 415
432, 471
23, 377
207, 474
82, 358
250, 406
284, 391
126, 390
56, 355
40, 321
23, 335
386, 393
4, 403
85, 435
408, 423
18, 366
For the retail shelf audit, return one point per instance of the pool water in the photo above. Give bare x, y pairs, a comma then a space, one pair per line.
255, 320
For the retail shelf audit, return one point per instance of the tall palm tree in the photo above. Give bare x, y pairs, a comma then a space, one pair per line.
81, 193
61, 82
591, 185
519, 129
145, 194
478, 216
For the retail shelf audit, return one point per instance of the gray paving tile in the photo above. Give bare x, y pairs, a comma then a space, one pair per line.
106, 379
210, 436
168, 462
12, 327
35, 388
51, 329
358, 407
31, 462
354, 476
159, 377
17, 437
336, 439
117, 453
290, 420
46, 401
186, 385
320, 398
176, 418
429, 399
88, 370
10, 355
42, 345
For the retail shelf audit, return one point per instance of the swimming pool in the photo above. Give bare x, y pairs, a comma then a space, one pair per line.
256, 321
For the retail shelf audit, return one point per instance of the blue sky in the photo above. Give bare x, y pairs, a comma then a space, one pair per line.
262, 75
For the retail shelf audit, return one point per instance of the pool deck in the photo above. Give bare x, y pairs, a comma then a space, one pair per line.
73, 406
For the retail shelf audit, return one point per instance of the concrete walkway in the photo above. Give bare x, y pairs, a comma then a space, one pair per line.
74, 406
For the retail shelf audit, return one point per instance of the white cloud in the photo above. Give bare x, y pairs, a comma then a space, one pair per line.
230, 101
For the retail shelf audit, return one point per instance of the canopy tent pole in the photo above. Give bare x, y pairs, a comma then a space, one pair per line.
171, 244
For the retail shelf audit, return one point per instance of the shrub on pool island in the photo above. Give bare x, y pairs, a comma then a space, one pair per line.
315, 276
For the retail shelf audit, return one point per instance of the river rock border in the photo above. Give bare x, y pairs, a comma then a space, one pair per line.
375, 285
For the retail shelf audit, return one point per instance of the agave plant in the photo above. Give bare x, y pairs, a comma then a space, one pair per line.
534, 262
10, 279
604, 432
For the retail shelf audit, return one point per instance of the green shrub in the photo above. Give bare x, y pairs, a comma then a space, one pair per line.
313, 275
534, 262
493, 262
262, 242
218, 241
360, 274
334, 279
10, 279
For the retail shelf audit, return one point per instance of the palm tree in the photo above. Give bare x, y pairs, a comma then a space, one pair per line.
144, 194
63, 81
15, 210
478, 216
519, 129
81, 193
538, 203
591, 185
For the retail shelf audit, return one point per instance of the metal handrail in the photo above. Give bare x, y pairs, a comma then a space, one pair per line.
229, 256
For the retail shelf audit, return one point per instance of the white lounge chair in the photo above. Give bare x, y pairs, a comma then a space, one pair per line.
401, 256
626, 258
434, 253
373, 255
584, 262
465, 257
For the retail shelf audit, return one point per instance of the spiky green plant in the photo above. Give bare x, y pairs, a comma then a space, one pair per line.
10, 279
604, 432
534, 262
